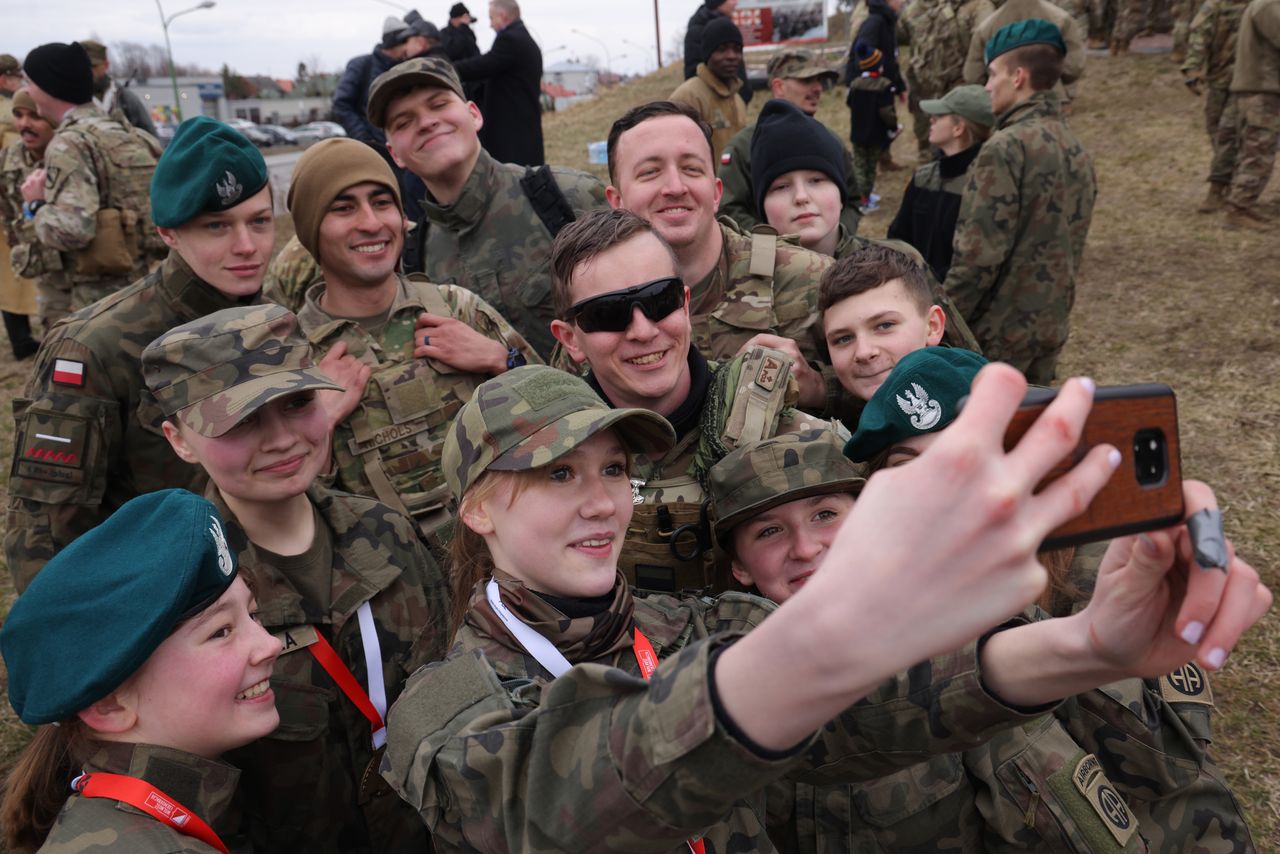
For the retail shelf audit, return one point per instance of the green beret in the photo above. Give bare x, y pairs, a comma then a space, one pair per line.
1022, 33
526, 418
207, 167
786, 468
101, 606
919, 396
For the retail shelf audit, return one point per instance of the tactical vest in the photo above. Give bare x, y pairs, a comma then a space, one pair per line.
398, 433
669, 545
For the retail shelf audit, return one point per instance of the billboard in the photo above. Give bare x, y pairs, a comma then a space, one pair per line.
766, 22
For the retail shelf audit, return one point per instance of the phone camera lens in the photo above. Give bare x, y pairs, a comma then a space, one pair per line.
1150, 457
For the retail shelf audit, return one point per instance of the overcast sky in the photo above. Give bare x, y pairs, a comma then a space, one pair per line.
272, 36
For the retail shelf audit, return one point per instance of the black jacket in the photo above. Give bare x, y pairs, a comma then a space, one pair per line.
931, 207
510, 102
878, 29
352, 96
459, 42
693, 49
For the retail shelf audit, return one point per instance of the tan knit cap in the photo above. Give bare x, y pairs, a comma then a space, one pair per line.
325, 170
22, 100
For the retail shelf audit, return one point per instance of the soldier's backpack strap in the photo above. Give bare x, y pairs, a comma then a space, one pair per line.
432, 300
547, 198
764, 251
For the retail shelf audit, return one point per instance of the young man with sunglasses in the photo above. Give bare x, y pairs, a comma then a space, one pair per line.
623, 310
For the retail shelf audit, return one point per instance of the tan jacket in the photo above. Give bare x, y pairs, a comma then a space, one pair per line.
717, 102
1258, 49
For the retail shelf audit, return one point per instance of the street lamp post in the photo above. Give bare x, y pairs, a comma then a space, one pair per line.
608, 59
168, 49
643, 50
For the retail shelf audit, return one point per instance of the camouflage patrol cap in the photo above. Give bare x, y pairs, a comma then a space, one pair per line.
765, 474
97, 50
214, 372
207, 166
798, 65
970, 102
1022, 33
100, 607
413, 74
919, 396
9, 64
529, 416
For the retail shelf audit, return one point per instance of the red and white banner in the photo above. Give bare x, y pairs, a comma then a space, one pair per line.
768, 22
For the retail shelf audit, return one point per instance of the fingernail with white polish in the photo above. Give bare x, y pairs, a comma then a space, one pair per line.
1114, 458
1216, 658
1193, 632
1089, 384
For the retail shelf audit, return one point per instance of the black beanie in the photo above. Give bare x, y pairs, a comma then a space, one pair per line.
61, 70
786, 139
719, 30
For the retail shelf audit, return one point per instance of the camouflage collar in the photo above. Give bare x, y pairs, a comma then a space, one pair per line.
189, 296
318, 325
1041, 105
204, 786
82, 113
470, 206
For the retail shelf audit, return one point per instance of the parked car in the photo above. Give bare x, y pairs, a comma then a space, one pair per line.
316, 131
256, 135
282, 136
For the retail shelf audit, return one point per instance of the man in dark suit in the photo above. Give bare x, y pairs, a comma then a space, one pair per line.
512, 75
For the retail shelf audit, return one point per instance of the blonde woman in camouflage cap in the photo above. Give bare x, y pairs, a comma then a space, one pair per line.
508, 745
343, 582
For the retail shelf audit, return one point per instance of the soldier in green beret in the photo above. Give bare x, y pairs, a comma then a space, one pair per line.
343, 582
689, 708
138, 651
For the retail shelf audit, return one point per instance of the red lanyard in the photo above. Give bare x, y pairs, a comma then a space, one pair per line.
341, 674
648, 661
149, 799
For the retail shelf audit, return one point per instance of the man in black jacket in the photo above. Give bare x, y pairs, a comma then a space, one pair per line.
512, 75
458, 38
878, 30
693, 40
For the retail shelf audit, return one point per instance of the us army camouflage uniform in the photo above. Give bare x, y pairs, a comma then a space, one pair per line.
491, 241
641, 765
312, 784
1254, 106
1020, 237
1008, 11
718, 104
739, 201
94, 163
1211, 55
389, 448
204, 786
29, 258
106, 445
939, 32
291, 272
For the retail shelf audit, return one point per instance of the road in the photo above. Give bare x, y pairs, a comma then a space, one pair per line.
280, 172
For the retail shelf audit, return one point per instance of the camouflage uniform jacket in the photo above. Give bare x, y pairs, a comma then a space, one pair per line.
1021, 233
291, 272
739, 200
939, 32
498, 757
1008, 11
1211, 41
491, 241
389, 448
87, 431
94, 163
718, 104
312, 784
30, 257
1257, 66
204, 786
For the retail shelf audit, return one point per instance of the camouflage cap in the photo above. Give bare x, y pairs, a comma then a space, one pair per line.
529, 416
97, 50
9, 64
207, 166
1022, 33
798, 65
214, 372
765, 474
100, 607
970, 102
415, 73
919, 396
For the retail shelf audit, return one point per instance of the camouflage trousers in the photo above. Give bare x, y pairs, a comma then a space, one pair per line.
1102, 19
1256, 118
1223, 136
1183, 11
865, 160
1132, 17
53, 296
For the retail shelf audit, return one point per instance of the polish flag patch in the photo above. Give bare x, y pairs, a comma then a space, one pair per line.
726, 158
68, 372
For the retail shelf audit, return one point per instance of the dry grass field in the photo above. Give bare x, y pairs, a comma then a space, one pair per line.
1166, 295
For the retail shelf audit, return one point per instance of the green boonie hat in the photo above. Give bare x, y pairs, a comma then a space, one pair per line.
530, 416
423, 71
97, 50
9, 64
214, 372
798, 65
971, 102
765, 474
1022, 33
208, 166
99, 608
919, 396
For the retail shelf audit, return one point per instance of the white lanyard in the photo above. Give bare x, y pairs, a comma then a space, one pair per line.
373, 665
535, 644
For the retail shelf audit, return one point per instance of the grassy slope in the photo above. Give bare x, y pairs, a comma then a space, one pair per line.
1165, 295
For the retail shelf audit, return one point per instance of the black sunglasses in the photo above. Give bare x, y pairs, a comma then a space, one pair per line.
612, 312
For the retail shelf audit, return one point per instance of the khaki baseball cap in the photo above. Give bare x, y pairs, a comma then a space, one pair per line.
970, 102
9, 64
97, 51
786, 468
798, 65
530, 416
424, 71
214, 372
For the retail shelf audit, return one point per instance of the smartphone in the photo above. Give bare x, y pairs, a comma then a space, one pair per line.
1145, 492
